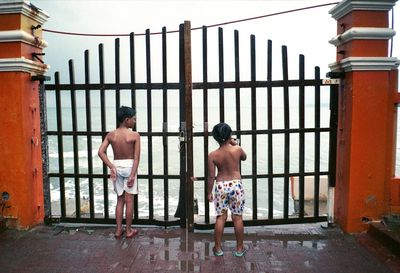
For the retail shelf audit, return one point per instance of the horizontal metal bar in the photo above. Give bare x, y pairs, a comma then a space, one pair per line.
198, 226
100, 176
195, 134
98, 133
177, 176
112, 86
175, 85
273, 131
266, 222
111, 221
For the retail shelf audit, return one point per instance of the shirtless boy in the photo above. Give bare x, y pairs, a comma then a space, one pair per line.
125, 144
228, 191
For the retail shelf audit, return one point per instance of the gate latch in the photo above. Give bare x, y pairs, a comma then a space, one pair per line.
182, 132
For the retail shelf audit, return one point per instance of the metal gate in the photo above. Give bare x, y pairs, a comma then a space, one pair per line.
269, 118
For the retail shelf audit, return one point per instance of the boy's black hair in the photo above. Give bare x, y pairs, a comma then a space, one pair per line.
221, 132
125, 112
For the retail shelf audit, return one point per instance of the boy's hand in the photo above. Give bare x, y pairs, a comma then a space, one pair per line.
233, 141
210, 197
113, 174
130, 182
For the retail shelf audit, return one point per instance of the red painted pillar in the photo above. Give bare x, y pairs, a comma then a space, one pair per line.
366, 129
21, 161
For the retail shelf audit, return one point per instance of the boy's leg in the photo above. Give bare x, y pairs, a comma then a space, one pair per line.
119, 211
219, 230
239, 230
128, 211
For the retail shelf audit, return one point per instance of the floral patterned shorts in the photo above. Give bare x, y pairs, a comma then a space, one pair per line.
229, 194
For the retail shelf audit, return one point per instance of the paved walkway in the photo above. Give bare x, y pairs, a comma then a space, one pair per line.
295, 248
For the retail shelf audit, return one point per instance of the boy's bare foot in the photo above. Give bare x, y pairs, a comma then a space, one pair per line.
131, 233
118, 234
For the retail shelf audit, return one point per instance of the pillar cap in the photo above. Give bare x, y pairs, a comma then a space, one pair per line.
365, 64
22, 65
23, 7
346, 6
21, 36
364, 33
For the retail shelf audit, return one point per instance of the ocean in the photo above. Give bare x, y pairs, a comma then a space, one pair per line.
173, 148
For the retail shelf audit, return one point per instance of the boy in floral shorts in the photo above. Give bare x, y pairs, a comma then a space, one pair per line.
228, 192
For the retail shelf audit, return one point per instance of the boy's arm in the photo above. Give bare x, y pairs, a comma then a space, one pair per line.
136, 160
102, 153
243, 155
211, 177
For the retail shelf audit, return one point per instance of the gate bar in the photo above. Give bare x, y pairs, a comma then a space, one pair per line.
60, 143
89, 137
301, 137
117, 78
221, 74
237, 89
149, 126
103, 125
206, 128
317, 142
270, 139
253, 123
133, 102
287, 134
75, 140
165, 123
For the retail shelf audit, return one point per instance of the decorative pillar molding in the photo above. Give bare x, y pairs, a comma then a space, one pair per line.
21, 172
367, 113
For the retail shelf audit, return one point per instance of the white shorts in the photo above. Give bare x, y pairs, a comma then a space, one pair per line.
124, 168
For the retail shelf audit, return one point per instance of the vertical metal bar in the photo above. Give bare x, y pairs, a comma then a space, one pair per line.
165, 122
117, 78
181, 209
89, 137
301, 136
253, 122
221, 75
60, 144
237, 80
270, 135
75, 139
287, 135
133, 102
149, 125
103, 125
317, 142
333, 125
189, 124
132, 70
206, 126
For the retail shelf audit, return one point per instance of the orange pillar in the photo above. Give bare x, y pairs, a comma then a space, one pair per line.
21, 161
366, 131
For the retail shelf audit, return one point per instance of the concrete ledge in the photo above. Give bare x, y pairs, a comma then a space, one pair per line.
389, 238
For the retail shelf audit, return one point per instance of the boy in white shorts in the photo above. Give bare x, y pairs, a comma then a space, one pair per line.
123, 171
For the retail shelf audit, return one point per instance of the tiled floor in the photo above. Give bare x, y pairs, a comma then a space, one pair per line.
295, 248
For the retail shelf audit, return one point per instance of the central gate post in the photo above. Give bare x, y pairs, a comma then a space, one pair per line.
366, 138
189, 125
185, 205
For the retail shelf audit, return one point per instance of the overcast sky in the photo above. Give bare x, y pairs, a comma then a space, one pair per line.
304, 32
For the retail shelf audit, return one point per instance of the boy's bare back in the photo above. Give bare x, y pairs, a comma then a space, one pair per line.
123, 141
227, 160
